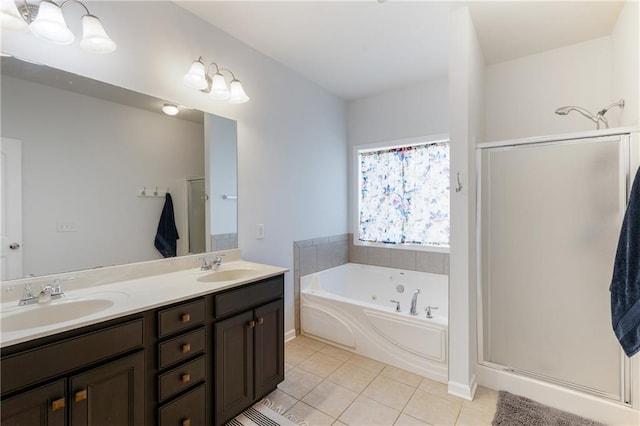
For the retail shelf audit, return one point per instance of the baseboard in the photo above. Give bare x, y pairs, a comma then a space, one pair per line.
289, 335
580, 403
463, 390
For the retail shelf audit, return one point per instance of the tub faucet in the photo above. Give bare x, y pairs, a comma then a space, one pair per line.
414, 302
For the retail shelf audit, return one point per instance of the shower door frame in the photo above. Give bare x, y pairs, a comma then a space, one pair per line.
630, 371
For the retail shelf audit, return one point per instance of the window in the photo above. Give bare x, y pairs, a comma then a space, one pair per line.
403, 195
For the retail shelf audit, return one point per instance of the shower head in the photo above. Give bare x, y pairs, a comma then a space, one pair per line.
567, 109
604, 110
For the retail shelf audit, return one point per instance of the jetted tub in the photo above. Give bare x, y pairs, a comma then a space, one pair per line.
350, 306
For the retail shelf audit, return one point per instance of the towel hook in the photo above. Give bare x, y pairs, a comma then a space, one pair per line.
459, 185
156, 192
144, 191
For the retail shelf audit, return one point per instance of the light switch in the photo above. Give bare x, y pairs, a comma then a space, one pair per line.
259, 231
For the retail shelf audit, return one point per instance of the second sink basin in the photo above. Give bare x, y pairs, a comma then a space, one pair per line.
54, 312
228, 275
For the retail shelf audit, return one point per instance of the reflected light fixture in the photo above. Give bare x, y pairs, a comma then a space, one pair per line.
199, 77
170, 109
45, 20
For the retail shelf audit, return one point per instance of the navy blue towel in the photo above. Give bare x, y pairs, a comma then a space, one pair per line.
625, 284
167, 234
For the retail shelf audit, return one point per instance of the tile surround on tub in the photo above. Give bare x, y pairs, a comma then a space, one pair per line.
318, 254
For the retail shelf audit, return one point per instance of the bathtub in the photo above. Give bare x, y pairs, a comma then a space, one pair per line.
350, 307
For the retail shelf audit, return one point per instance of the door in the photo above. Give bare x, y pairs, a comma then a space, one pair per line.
11, 205
269, 347
197, 216
112, 394
233, 365
41, 406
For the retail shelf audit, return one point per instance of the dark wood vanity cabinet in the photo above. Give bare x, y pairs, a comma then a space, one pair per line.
249, 346
198, 362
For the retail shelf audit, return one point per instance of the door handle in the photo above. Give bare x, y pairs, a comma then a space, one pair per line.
251, 324
81, 396
14, 246
260, 320
58, 404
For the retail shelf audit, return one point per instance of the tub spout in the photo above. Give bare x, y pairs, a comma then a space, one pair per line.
414, 302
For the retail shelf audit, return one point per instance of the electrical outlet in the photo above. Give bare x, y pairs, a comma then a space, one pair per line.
259, 231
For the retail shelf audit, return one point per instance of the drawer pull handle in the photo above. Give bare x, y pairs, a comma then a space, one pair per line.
186, 348
251, 324
185, 318
260, 320
81, 396
186, 422
186, 378
58, 404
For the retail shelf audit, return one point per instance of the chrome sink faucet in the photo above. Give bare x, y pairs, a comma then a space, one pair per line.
218, 261
48, 293
207, 265
414, 302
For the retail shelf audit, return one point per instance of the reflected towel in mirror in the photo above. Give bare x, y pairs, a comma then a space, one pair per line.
167, 234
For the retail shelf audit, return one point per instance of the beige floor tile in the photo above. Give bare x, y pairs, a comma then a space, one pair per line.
389, 392
298, 383
367, 412
295, 353
338, 353
313, 344
320, 364
281, 399
310, 414
338, 423
405, 420
438, 389
330, 398
288, 367
401, 375
471, 416
433, 409
484, 398
352, 377
367, 363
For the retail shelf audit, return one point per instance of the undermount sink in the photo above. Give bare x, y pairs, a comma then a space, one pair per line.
53, 312
228, 275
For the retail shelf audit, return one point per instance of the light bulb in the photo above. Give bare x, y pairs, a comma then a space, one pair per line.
94, 37
170, 109
238, 96
196, 77
219, 89
50, 24
11, 20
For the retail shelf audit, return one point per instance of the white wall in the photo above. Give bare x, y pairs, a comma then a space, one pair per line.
292, 149
625, 40
466, 66
83, 161
521, 95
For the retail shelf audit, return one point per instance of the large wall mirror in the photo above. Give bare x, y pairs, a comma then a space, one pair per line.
93, 163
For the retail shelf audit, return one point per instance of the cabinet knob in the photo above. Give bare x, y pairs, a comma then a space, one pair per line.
186, 378
186, 348
58, 404
81, 396
251, 324
260, 320
186, 422
185, 318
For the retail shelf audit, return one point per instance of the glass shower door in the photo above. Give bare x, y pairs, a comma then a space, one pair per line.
550, 217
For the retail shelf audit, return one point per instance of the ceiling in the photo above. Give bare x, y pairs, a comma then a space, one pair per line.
361, 47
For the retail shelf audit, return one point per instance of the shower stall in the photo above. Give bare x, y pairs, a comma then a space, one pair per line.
549, 216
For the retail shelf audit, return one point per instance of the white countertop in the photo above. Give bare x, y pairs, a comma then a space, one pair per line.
128, 297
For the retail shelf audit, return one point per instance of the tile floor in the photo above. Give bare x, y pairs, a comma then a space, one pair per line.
329, 386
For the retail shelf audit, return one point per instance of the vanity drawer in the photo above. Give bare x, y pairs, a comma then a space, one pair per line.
27, 367
248, 297
188, 410
181, 347
182, 377
180, 317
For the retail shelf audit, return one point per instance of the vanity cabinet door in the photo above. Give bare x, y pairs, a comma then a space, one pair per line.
112, 394
44, 406
269, 347
233, 365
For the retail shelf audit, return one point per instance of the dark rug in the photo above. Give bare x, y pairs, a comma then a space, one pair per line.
514, 410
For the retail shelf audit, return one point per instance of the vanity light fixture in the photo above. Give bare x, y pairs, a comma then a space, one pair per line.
45, 20
200, 78
170, 109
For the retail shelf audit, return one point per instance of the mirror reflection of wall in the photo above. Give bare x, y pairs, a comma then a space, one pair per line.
223, 182
84, 160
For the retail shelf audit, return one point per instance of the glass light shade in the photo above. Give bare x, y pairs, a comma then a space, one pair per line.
11, 20
219, 89
238, 96
50, 24
170, 109
94, 37
196, 77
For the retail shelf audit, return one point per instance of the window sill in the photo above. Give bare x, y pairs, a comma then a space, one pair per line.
432, 249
